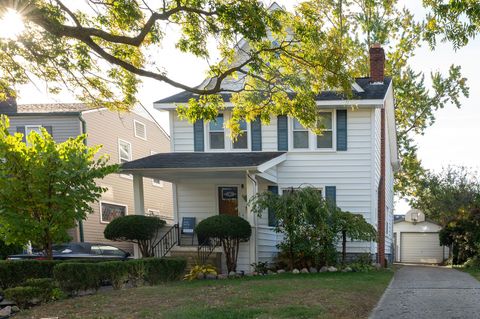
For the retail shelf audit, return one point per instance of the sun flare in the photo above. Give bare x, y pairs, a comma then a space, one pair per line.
11, 24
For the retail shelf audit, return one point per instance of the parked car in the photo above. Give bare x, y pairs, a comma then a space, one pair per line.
94, 251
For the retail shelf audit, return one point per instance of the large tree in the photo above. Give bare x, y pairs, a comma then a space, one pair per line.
46, 187
103, 49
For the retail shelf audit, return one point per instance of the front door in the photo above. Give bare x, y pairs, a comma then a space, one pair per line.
228, 200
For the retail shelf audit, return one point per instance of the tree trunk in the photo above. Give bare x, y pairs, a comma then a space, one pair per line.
344, 246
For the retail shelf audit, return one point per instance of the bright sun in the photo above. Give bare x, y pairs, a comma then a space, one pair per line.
11, 24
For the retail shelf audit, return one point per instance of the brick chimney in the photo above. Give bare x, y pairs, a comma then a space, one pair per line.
9, 106
377, 63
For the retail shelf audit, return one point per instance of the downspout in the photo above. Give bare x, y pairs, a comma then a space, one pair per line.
381, 193
255, 191
83, 131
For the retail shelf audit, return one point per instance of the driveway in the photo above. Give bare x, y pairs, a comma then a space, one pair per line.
430, 292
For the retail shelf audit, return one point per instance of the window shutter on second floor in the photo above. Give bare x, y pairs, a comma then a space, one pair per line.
282, 132
198, 136
49, 129
21, 130
331, 194
341, 130
256, 126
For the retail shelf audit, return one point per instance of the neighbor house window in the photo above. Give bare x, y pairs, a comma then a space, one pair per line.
124, 154
300, 135
110, 211
242, 140
217, 134
32, 128
325, 123
155, 181
140, 130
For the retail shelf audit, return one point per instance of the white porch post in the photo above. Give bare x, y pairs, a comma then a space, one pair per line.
251, 190
139, 204
138, 196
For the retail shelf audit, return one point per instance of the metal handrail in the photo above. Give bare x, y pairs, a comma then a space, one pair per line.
167, 242
206, 249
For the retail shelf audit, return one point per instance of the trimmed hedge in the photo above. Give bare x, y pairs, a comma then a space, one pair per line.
25, 296
73, 277
14, 273
115, 272
158, 270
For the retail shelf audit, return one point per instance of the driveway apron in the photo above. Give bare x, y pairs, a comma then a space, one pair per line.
430, 292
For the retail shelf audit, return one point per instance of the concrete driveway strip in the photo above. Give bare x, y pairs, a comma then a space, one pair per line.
430, 292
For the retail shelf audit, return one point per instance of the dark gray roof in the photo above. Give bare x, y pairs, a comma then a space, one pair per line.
201, 160
372, 91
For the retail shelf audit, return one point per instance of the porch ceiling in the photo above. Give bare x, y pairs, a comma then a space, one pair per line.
178, 166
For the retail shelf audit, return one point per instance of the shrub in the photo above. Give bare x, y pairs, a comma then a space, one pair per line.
362, 263
137, 229
116, 272
73, 277
136, 271
200, 270
260, 267
14, 273
230, 230
6, 250
473, 262
24, 296
46, 285
158, 270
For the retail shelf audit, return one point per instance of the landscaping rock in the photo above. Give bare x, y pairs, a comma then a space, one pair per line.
347, 269
211, 276
15, 309
324, 269
377, 266
281, 271
232, 274
313, 270
6, 312
201, 276
295, 271
270, 272
332, 269
222, 276
304, 271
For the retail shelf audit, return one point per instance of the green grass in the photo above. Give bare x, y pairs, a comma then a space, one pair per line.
475, 272
323, 295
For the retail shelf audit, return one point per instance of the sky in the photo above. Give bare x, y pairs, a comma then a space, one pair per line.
452, 140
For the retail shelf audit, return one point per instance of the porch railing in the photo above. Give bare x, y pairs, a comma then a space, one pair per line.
168, 241
206, 249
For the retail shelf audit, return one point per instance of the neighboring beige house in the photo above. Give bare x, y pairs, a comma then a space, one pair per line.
124, 136
416, 239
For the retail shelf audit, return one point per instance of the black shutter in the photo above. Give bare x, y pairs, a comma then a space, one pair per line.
341, 130
256, 126
198, 136
282, 132
49, 129
272, 219
331, 194
21, 130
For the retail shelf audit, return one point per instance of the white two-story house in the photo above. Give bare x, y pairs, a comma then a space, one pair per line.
352, 163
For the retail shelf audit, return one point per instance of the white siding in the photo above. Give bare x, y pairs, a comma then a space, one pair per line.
350, 171
269, 135
181, 132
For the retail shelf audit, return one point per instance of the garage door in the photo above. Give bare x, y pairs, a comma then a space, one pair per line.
420, 248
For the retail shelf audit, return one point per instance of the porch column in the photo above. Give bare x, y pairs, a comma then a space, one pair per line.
138, 196
251, 185
139, 205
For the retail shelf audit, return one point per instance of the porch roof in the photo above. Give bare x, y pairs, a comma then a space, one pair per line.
182, 164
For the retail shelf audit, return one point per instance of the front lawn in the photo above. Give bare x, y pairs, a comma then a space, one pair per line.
475, 272
322, 295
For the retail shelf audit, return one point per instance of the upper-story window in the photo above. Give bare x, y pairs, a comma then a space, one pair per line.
124, 151
217, 133
33, 128
326, 124
242, 140
300, 135
140, 130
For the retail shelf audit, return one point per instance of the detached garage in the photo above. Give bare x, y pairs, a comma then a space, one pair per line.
416, 240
